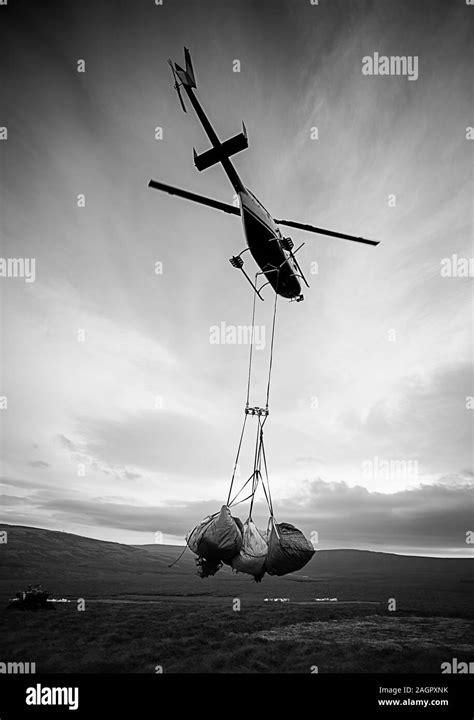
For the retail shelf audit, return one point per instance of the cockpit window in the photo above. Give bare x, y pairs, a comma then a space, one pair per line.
259, 204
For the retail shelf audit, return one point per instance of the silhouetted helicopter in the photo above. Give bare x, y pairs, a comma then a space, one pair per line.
273, 253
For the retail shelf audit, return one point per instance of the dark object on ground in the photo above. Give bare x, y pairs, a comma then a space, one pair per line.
32, 598
288, 550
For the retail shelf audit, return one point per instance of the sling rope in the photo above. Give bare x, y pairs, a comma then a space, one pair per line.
179, 556
271, 346
251, 347
252, 476
259, 453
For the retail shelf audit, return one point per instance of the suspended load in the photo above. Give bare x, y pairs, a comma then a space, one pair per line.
215, 540
288, 549
253, 553
221, 538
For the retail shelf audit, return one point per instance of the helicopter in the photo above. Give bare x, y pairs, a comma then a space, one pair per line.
272, 252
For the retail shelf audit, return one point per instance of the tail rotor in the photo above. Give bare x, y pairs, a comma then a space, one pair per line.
177, 85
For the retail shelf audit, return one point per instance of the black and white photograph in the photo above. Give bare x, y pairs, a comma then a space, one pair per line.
236, 381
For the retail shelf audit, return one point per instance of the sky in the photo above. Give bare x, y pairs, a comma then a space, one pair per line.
122, 417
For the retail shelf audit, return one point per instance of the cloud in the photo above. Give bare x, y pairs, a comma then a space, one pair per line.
67, 443
132, 475
426, 419
157, 440
39, 464
17, 482
428, 517
12, 500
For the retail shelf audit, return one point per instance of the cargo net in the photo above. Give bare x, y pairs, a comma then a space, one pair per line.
222, 538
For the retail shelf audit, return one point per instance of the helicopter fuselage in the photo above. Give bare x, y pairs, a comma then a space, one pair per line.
264, 238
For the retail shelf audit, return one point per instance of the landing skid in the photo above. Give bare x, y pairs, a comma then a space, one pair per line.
237, 262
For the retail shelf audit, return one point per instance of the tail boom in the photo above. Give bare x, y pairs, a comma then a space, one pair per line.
220, 152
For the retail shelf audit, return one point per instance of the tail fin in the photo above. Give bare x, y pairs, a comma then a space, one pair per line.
186, 76
219, 152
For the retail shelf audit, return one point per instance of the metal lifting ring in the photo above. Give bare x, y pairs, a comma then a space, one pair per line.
261, 412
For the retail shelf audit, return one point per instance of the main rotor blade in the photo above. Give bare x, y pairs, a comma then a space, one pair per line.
210, 202
321, 231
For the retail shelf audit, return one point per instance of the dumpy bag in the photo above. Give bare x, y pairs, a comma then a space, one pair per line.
218, 537
288, 552
253, 553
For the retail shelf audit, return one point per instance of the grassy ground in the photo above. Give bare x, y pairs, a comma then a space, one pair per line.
186, 624
199, 637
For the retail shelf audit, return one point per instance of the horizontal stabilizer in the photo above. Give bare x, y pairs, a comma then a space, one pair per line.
223, 150
202, 199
